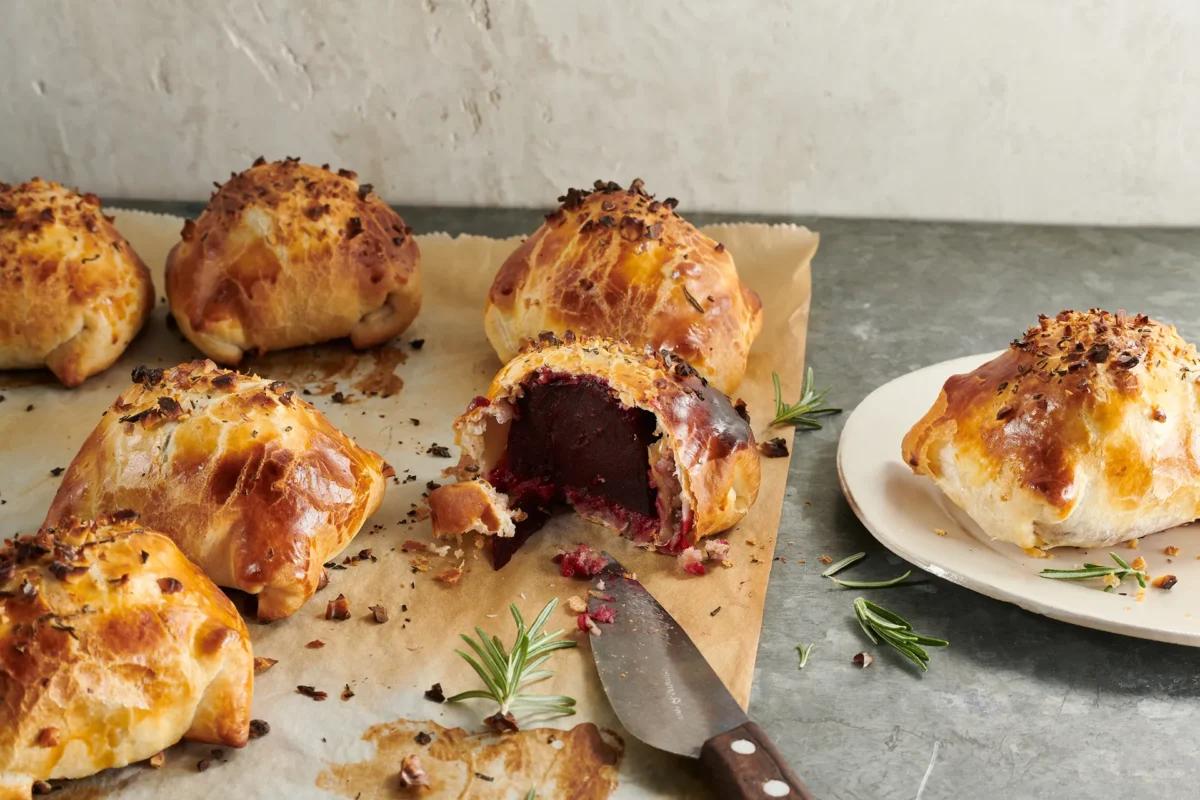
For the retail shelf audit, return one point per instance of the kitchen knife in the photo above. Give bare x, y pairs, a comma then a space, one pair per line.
667, 695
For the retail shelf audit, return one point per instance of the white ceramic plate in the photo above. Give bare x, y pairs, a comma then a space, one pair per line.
903, 511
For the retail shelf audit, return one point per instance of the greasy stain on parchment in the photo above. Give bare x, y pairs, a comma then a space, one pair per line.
578, 763
321, 368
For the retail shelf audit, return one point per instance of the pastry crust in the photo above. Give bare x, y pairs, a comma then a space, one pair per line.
288, 254
617, 263
1082, 433
471, 507
73, 293
254, 484
113, 646
704, 464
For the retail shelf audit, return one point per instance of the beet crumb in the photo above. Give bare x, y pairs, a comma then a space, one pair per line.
582, 562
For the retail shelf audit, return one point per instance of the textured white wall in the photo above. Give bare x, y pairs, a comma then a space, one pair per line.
1066, 111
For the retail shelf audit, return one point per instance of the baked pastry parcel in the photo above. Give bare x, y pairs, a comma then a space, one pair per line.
73, 293
288, 254
631, 438
253, 483
113, 646
1082, 433
617, 263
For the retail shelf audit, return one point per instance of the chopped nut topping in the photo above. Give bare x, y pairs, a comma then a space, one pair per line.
259, 728
379, 614
338, 609
1165, 581
311, 691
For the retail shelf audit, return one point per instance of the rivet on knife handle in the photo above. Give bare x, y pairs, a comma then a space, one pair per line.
744, 763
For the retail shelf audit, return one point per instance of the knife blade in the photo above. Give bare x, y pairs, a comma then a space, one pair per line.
666, 694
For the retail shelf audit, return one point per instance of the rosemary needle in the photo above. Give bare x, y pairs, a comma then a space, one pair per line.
804, 650
848, 584
803, 412
835, 568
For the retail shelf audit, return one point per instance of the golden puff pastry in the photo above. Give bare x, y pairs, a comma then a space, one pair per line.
1081, 434
617, 263
254, 484
113, 646
288, 254
631, 438
73, 293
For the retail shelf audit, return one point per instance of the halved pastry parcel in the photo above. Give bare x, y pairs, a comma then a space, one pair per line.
632, 439
113, 647
253, 483
1083, 433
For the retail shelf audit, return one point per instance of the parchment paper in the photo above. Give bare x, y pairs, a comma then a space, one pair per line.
389, 666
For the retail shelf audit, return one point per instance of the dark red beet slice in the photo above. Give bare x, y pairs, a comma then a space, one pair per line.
571, 439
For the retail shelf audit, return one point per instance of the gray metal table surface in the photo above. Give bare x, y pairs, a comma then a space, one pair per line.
1019, 706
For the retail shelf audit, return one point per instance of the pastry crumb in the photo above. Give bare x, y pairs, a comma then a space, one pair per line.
576, 605
1035, 552
1164, 581
1171, 550
1132, 544
1138, 563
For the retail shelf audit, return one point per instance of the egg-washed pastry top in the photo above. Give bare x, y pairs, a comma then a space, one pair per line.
253, 483
73, 293
113, 647
288, 254
617, 263
1083, 433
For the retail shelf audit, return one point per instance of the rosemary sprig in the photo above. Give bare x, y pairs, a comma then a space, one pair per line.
802, 413
804, 651
835, 568
1112, 575
879, 624
506, 673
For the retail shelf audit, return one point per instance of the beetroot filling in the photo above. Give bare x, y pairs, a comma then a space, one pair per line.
572, 440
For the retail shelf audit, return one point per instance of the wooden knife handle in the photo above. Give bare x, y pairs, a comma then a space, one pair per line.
743, 763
